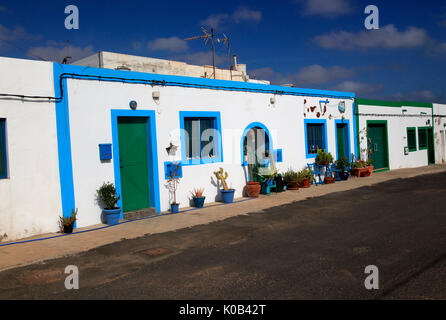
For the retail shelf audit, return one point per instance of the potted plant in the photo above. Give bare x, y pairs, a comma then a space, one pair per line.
252, 188
197, 197
342, 165
323, 158
305, 177
291, 179
227, 194
67, 223
107, 195
173, 183
359, 169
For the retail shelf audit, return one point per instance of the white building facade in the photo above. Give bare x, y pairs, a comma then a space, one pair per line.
56, 146
395, 135
440, 133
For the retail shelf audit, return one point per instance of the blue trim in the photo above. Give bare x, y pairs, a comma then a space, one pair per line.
64, 145
355, 129
152, 157
218, 144
346, 122
317, 121
134, 77
5, 158
249, 127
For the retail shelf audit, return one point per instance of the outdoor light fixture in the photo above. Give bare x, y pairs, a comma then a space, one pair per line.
133, 104
155, 95
272, 100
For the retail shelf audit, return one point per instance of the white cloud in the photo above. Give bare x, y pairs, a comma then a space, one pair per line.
420, 95
246, 14
202, 58
58, 51
326, 8
359, 88
216, 21
241, 14
387, 37
172, 44
13, 37
316, 74
307, 76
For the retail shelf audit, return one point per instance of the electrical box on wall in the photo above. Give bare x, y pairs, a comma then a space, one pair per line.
105, 151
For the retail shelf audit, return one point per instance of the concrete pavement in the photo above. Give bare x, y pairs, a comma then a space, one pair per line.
32, 252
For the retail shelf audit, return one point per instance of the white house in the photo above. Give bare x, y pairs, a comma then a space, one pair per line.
58, 121
395, 134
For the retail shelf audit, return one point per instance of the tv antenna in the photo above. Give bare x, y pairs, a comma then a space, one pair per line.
207, 36
226, 41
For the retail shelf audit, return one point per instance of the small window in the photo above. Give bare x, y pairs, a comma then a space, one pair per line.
315, 137
422, 138
3, 164
412, 139
201, 141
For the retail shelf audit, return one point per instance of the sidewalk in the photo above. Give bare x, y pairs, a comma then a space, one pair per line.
31, 252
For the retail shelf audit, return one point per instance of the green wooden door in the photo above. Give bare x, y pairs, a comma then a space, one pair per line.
132, 134
377, 137
341, 137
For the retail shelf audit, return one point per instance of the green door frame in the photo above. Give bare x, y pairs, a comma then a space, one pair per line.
384, 122
152, 154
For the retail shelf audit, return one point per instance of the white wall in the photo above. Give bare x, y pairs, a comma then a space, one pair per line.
90, 103
440, 133
397, 133
30, 201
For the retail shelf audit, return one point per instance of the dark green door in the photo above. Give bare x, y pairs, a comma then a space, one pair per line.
132, 134
431, 146
342, 140
377, 138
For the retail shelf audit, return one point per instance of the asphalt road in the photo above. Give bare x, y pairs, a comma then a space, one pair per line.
313, 249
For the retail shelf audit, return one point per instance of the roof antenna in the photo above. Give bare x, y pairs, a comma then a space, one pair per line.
206, 38
65, 60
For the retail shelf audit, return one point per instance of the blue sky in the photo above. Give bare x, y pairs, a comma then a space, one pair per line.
312, 43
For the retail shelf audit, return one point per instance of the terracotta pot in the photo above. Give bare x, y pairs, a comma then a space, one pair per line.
292, 185
305, 183
329, 180
370, 168
253, 189
361, 172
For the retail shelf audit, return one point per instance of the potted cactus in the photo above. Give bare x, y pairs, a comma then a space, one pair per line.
227, 194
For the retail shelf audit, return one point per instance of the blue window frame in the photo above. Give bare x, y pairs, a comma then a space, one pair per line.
200, 137
3, 158
257, 127
315, 137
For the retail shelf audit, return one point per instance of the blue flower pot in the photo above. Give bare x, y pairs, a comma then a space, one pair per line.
112, 216
199, 202
344, 176
227, 195
174, 208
